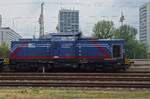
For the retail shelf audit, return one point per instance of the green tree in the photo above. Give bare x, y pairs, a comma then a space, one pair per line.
103, 29
134, 49
148, 56
126, 32
4, 50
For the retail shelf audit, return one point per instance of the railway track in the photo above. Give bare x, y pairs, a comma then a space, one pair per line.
139, 65
79, 84
130, 73
140, 62
123, 80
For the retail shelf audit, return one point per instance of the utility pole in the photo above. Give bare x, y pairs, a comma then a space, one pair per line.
41, 21
122, 18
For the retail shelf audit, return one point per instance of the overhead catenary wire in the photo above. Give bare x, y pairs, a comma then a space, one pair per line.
77, 3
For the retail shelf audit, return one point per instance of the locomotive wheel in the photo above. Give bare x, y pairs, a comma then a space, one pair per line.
34, 69
124, 68
5, 68
88, 67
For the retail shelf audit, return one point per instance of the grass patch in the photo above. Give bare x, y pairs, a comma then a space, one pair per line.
72, 93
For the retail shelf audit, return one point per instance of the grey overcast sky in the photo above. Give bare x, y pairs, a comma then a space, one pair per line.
22, 15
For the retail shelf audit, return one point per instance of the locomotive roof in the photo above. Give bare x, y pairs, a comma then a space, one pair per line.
89, 38
65, 34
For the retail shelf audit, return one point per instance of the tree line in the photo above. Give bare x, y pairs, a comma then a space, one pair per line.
133, 48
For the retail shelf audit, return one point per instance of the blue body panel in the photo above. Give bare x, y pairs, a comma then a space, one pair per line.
98, 48
64, 48
60, 46
31, 49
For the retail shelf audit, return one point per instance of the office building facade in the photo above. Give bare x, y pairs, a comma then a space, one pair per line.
7, 35
145, 24
68, 21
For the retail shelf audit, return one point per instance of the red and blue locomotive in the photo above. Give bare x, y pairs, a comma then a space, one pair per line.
68, 50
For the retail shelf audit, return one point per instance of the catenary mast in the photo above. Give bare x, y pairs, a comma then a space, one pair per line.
41, 21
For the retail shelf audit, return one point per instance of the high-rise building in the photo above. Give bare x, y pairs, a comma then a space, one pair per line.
145, 24
68, 21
